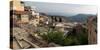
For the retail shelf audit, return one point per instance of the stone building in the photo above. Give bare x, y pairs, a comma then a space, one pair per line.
44, 19
18, 8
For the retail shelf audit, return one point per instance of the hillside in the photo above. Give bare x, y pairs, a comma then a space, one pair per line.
80, 17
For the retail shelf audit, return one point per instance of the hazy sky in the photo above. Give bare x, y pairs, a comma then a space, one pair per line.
62, 9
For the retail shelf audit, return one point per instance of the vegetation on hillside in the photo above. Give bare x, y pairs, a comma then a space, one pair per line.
73, 38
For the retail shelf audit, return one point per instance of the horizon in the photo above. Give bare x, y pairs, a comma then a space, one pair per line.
62, 9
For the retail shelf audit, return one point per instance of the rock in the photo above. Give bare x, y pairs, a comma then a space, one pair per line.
19, 33
53, 45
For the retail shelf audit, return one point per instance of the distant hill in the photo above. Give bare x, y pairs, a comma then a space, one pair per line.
80, 17
75, 18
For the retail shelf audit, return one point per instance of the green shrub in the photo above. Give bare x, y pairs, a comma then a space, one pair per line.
70, 40
58, 38
54, 36
82, 36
